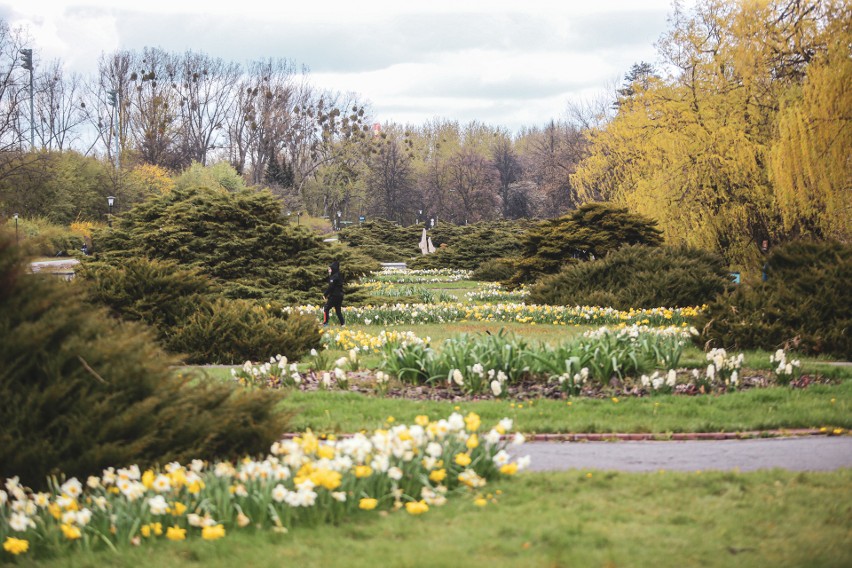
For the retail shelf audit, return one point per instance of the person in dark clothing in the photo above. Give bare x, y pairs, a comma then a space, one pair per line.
333, 293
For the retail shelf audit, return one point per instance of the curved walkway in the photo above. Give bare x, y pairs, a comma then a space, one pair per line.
812, 453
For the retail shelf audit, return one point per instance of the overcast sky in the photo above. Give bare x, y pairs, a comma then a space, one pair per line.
507, 63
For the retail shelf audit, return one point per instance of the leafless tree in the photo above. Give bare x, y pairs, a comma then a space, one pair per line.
205, 89
390, 178
59, 114
473, 180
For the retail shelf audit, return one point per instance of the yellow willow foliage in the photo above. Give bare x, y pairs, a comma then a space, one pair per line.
692, 150
149, 179
811, 161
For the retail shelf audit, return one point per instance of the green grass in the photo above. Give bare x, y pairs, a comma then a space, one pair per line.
574, 518
763, 409
817, 406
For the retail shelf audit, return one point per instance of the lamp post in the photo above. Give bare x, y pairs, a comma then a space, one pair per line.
110, 203
16, 228
338, 220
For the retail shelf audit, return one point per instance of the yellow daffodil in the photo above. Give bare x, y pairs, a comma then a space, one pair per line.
213, 533
416, 507
462, 460
363, 471
325, 452
472, 421
70, 531
15, 546
176, 533
438, 475
367, 503
148, 478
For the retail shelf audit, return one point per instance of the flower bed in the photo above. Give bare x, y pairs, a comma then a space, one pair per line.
303, 480
447, 312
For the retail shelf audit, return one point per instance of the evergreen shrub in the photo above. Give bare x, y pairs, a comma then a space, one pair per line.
637, 277
239, 238
494, 270
591, 232
234, 331
804, 305
190, 317
383, 240
80, 391
469, 246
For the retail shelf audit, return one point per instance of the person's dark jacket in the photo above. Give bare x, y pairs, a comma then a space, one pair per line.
335, 282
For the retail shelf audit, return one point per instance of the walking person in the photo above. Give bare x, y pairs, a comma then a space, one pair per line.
333, 293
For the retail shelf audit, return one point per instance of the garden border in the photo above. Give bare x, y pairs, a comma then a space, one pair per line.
653, 437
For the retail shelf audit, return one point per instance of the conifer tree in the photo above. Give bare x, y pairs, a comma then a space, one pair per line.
80, 391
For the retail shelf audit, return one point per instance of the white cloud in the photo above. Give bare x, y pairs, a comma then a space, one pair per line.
497, 61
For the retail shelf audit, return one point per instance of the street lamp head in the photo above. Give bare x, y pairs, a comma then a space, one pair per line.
110, 201
15, 216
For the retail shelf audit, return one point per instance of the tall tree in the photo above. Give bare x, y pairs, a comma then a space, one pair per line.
390, 178
550, 155
810, 161
691, 150
205, 88
508, 167
59, 113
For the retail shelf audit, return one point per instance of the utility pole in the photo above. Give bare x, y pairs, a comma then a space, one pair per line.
27, 63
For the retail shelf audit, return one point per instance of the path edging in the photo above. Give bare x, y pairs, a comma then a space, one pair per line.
654, 437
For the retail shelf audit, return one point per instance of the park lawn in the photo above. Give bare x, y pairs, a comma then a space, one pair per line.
828, 406
573, 518
818, 406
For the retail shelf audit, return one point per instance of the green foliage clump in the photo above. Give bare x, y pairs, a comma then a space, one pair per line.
239, 238
804, 305
80, 391
494, 270
189, 316
591, 232
468, 246
41, 237
233, 331
637, 277
58, 186
383, 240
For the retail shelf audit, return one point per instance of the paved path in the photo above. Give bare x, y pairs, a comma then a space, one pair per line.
813, 453
64, 263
